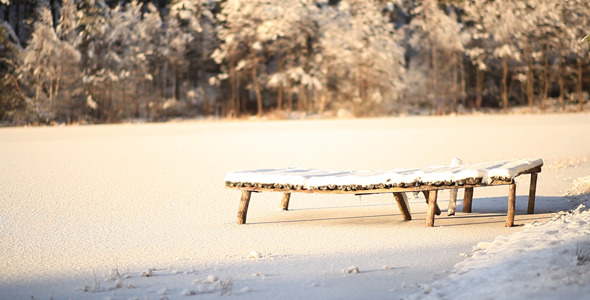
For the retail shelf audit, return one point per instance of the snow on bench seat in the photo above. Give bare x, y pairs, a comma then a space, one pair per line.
397, 181
313, 179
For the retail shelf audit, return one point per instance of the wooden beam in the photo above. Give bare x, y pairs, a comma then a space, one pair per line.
285, 201
431, 208
511, 205
419, 188
467, 199
243, 210
404, 206
532, 193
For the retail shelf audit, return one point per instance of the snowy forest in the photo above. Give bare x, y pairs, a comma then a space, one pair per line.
99, 61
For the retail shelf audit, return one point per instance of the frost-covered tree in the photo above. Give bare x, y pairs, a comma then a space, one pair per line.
505, 22
129, 40
576, 21
360, 55
288, 31
240, 50
49, 68
290, 35
437, 38
92, 18
188, 43
68, 23
532, 39
11, 98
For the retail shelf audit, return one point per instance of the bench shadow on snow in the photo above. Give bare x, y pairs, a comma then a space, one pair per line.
490, 210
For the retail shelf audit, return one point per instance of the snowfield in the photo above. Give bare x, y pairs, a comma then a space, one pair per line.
140, 212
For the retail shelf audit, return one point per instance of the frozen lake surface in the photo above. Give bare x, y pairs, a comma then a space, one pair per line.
81, 205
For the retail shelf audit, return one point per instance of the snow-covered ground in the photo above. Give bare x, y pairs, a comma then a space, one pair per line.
140, 212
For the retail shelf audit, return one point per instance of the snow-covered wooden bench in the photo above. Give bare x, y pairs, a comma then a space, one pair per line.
397, 181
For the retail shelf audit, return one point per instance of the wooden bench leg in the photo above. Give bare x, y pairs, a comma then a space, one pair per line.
243, 210
285, 201
452, 202
467, 199
511, 205
402, 203
436, 208
532, 193
431, 208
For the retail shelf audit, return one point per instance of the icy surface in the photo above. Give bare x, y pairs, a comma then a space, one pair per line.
313, 178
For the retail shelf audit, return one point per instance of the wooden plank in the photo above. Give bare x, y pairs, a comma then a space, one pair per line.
532, 193
243, 210
431, 208
467, 199
452, 202
285, 201
511, 205
404, 206
362, 192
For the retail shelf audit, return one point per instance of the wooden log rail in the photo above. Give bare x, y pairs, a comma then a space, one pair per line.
430, 193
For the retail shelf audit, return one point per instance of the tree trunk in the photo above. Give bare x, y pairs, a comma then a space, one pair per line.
479, 78
546, 68
530, 93
164, 80
257, 87
435, 98
580, 95
137, 97
455, 88
281, 71
561, 78
235, 101
302, 99
505, 83
289, 96
201, 77
177, 82
462, 94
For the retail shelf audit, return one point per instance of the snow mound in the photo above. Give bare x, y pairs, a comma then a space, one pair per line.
581, 187
547, 260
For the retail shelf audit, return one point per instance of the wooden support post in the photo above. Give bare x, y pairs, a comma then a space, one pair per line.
431, 208
467, 199
511, 205
532, 193
402, 203
436, 208
285, 201
452, 202
243, 210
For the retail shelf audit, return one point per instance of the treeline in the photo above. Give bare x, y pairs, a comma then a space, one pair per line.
110, 61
